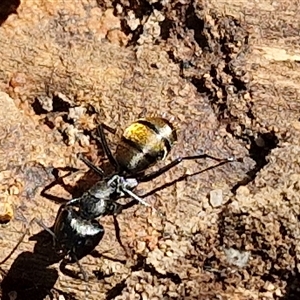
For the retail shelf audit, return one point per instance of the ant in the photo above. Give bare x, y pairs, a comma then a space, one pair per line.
76, 232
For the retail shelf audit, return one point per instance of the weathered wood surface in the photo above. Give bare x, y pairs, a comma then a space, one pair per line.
58, 47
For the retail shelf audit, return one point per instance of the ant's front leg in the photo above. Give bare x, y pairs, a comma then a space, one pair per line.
92, 166
177, 161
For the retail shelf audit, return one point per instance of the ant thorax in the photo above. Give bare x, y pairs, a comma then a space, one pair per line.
99, 200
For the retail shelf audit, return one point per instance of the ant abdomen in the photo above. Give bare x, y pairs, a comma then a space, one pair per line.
145, 142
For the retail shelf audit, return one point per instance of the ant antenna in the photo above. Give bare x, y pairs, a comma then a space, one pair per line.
139, 199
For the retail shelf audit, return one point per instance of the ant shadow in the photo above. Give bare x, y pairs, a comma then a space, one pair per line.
31, 277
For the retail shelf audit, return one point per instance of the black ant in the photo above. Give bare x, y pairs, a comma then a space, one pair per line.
146, 141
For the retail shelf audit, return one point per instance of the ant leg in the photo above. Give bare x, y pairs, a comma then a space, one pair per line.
108, 128
181, 178
75, 202
114, 209
58, 181
40, 223
148, 177
168, 184
85, 276
106, 149
118, 236
64, 263
93, 167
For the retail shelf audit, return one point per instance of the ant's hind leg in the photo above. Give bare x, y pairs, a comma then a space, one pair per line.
63, 268
42, 225
34, 220
84, 274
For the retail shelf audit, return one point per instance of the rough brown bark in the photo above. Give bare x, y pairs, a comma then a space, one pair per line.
227, 73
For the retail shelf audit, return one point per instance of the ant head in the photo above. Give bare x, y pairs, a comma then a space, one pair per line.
120, 184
